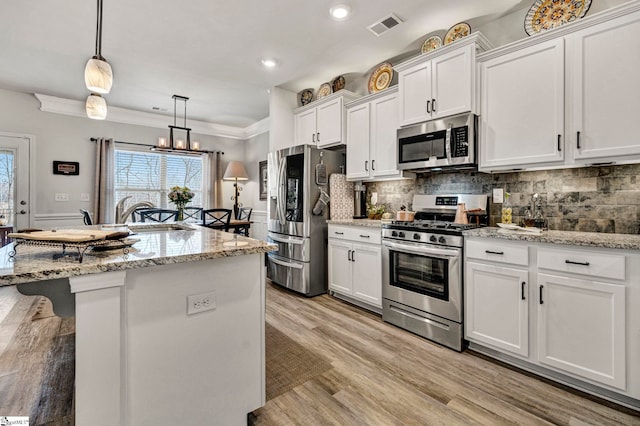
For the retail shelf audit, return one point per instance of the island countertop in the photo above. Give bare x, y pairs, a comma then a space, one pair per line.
585, 239
156, 245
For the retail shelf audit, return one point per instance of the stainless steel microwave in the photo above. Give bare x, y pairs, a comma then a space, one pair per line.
438, 144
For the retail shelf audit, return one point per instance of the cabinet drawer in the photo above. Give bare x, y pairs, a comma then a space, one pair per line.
498, 251
595, 264
356, 233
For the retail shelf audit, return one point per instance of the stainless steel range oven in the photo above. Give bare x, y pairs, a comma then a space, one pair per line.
422, 271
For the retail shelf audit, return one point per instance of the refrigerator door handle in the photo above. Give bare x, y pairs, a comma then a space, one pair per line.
282, 193
286, 264
286, 240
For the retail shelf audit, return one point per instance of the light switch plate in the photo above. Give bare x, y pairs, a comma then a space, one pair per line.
498, 195
61, 196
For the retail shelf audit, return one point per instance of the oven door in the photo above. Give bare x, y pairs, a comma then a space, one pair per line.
423, 276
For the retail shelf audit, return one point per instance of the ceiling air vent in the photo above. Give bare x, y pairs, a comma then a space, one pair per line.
384, 25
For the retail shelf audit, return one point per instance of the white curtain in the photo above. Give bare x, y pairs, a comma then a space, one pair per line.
215, 190
103, 203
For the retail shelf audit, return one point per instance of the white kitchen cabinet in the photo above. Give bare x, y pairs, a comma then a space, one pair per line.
496, 295
372, 123
355, 264
440, 83
558, 310
321, 122
581, 328
604, 99
566, 98
522, 104
497, 307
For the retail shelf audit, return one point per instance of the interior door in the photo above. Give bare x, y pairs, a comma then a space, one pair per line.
14, 180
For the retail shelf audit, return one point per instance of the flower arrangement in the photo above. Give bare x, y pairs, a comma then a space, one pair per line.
180, 196
375, 211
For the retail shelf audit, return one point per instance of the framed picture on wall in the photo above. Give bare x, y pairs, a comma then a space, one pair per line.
262, 178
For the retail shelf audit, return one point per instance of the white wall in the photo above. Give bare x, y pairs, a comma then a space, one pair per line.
63, 137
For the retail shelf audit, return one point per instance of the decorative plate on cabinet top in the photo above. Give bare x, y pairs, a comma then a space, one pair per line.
306, 96
324, 90
381, 77
431, 43
337, 83
459, 30
548, 14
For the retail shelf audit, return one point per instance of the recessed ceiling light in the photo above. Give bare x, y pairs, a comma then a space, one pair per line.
340, 11
269, 63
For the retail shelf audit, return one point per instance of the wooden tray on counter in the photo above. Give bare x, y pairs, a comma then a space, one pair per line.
66, 236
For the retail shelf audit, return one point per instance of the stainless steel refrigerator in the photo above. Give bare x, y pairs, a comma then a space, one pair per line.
296, 216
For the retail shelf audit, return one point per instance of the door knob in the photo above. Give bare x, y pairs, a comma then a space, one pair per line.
23, 212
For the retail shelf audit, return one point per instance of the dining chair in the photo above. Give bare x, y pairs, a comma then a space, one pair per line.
157, 215
192, 214
217, 218
244, 213
86, 217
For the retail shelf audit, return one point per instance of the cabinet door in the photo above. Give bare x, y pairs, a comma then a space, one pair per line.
522, 107
367, 274
605, 63
358, 129
329, 123
384, 125
414, 85
581, 328
306, 127
497, 307
340, 266
451, 82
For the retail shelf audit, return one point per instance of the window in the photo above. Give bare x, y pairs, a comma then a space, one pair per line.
148, 176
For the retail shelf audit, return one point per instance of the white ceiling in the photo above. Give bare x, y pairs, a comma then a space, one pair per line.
210, 50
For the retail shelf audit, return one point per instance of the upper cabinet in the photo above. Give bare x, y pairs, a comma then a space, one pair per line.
564, 98
372, 122
321, 123
440, 83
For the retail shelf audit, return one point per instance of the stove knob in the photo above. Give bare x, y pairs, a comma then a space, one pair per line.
416, 236
401, 234
394, 234
433, 239
442, 240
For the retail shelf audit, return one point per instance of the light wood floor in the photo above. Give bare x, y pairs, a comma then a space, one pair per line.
379, 375
383, 375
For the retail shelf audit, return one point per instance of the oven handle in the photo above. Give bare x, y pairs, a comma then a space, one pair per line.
421, 249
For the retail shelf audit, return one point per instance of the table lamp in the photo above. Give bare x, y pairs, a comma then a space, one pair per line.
235, 171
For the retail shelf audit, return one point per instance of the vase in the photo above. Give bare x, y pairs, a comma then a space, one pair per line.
180, 216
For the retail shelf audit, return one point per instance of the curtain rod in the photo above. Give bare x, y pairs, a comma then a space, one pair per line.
184, 151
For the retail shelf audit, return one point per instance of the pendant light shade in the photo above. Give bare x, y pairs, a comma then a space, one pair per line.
98, 75
96, 107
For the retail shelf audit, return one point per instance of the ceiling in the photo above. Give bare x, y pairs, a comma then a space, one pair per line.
210, 50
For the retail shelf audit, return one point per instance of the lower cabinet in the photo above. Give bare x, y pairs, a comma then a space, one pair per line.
497, 307
581, 328
355, 268
560, 309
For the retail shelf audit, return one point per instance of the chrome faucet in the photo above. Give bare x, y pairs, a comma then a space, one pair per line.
122, 216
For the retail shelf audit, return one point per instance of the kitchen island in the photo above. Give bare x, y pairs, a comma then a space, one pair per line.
141, 357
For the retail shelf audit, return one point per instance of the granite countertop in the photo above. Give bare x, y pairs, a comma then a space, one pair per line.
370, 223
156, 245
586, 239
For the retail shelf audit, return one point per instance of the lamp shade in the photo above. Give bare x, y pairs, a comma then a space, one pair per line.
235, 170
98, 76
96, 107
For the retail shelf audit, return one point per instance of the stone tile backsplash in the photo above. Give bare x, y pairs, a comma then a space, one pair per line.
591, 199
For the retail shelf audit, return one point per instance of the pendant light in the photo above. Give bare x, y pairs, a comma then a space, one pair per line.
98, 76
96, 107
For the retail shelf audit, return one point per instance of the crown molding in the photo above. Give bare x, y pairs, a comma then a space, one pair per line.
127, 116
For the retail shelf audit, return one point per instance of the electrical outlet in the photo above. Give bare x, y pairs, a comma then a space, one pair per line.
202, 302
498, 195
84, 196
61, 196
